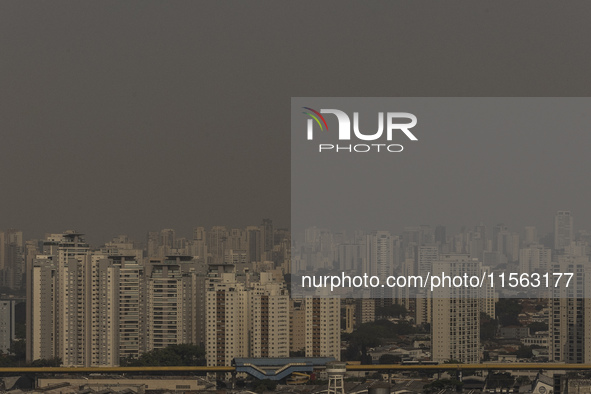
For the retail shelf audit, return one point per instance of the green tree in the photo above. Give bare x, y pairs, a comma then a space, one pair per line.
393, 310
173, 355
52, 362
18, 351
352, 353
265, 385
488, 327
373, 334
508, 310
405, 328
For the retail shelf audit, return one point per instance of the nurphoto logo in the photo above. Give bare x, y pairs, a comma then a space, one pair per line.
393, 126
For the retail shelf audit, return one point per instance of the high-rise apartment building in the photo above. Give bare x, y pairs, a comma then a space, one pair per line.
440, 235
172, 301
365, 311
268, 317
58, 320
380, 260
570, 312
226, 316
297, 325
563, 229
425, 256
323, 327
12, 259
254, 243
132, 306
72, 309
350, 256
455, 329
535, 258
200, 243
267, 236
7, 325
41, 316
101, 313
216, 243
530, 235
245, 318
499, 231
488, 295
95, 308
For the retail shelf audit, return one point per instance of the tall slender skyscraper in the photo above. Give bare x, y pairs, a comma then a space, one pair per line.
267, 235
380, 260
570, 313
563, 229
530, 235
12, 259
424, 258
455, 330
323, 327
58, 321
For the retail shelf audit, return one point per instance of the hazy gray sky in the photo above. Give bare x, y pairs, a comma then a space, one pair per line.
123, 117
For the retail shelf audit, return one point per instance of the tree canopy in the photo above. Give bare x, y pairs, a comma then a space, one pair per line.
173, 355
508, 310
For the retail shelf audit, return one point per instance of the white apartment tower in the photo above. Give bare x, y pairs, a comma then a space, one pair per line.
103, 313
380, 260
41, 320
226, 327
268, 317
244, 318
86, 308
72, 307
488, 295
424, 258
455, 330
131, 311
323, 327
172, 302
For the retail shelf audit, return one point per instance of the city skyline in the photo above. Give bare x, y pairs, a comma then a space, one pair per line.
161, 130
141, 236
118, 291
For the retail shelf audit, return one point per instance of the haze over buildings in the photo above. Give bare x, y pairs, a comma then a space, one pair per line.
127, 118
228, 289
